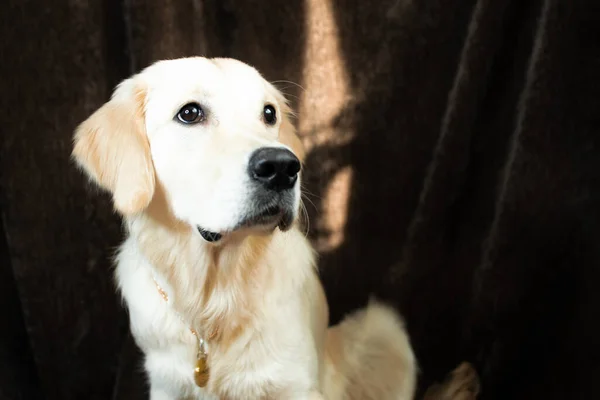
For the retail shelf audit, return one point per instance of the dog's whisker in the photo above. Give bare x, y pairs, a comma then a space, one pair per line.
290, 82
291, 95
309, 193
311, 202
305, 213
281, 89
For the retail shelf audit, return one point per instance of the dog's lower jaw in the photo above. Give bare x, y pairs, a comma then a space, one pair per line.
285, 223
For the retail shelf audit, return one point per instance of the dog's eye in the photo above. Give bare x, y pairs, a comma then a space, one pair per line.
269, 114
191, 113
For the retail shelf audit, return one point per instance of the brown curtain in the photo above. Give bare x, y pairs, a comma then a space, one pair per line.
453, 170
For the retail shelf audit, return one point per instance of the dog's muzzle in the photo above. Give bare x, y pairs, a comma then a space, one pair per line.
274, 173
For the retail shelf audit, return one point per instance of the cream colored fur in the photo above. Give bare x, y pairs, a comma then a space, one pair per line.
255, 294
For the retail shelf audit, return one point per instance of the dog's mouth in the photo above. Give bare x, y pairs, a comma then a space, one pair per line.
266, 218
273, 215
209, 236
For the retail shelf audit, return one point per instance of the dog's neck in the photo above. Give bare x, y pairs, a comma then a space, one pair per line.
211, 286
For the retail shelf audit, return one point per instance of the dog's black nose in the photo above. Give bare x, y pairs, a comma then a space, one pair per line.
275, 168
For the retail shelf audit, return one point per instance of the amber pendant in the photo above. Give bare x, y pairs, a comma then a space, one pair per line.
201, 372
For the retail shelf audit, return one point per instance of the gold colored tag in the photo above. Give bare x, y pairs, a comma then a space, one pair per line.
201, 372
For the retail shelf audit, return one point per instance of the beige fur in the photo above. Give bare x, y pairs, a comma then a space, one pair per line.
461, 384
111, 140
255, 296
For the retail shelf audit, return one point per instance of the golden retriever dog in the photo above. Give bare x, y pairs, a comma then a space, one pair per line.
223, 294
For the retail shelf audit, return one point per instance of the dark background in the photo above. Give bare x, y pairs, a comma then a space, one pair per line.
471, 129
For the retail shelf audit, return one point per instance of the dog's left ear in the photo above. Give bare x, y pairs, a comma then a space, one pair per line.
288, 136
112, 148
287, 131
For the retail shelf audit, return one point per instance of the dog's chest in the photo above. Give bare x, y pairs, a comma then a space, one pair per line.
253, 366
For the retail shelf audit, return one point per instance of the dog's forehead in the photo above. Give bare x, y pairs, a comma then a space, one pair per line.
212, 79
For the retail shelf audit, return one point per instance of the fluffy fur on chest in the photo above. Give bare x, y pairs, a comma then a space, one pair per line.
255, 309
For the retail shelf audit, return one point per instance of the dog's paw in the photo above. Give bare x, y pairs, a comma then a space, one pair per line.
460, 384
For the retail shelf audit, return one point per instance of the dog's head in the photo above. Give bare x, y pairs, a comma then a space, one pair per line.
212, 133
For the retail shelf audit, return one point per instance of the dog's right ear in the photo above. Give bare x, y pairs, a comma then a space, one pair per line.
112, 148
